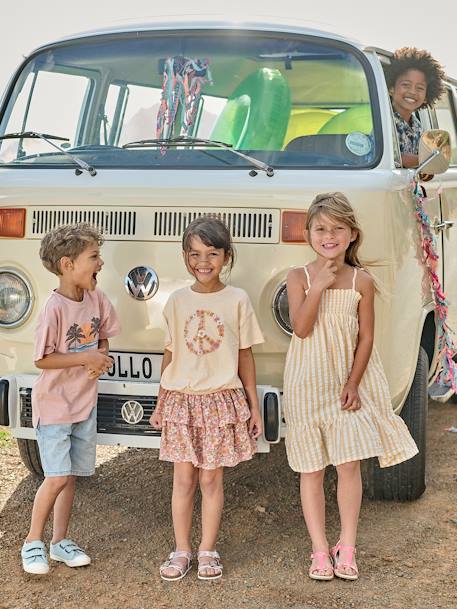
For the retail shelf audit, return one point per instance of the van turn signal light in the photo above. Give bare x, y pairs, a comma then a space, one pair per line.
293, 226
12, 222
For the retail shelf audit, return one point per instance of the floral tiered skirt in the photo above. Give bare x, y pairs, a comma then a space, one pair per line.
208, 430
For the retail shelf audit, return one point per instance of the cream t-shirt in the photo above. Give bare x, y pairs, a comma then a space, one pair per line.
204, 334
68, 395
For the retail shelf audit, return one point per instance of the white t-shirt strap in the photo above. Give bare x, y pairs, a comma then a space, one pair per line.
307, 277
354, 278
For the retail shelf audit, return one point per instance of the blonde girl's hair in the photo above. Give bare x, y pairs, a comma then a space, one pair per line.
336, 206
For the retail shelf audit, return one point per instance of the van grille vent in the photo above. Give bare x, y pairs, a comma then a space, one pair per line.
253, 226
110, 223
249, 225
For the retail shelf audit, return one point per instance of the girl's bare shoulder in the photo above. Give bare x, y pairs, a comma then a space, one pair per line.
297, 275
365, 282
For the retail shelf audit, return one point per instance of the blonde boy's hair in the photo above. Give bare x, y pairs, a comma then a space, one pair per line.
69, 240
335, 205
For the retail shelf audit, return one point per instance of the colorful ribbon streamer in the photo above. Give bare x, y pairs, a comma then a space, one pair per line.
447, 349
183, 79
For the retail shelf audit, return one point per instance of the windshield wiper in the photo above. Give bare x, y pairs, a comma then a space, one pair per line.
46, 137
197, 141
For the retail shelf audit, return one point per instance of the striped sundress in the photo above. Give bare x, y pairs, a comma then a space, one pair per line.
319, 432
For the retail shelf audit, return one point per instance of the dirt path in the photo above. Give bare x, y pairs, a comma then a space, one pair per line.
406, 552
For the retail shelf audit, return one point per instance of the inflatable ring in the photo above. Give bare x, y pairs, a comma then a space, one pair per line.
306, 121
357, 118
257, 113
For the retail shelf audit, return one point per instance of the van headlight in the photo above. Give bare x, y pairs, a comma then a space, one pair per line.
15, 298
281, 309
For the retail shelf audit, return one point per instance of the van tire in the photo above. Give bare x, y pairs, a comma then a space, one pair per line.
453, 398
405, 481
271, 420
30, 455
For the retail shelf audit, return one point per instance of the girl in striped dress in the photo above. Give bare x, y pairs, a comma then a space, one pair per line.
336, 398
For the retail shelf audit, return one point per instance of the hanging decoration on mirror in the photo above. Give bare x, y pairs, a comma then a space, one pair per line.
447, 349
183, 80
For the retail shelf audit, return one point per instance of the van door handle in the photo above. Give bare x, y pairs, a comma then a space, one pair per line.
440, 226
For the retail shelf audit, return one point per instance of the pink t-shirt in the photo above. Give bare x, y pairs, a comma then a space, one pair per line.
67, 395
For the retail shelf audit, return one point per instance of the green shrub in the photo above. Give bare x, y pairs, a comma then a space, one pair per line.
5, 437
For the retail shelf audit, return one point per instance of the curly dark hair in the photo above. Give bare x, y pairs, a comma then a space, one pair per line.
410, 58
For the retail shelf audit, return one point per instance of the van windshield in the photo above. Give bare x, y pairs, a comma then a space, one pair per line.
288, 100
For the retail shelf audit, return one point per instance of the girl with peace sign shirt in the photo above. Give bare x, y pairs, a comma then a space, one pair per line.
207, 406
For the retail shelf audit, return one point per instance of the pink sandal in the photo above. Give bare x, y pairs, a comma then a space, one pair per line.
321, 572
335, 551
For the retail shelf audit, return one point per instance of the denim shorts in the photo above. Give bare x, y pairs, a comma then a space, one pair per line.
68, 449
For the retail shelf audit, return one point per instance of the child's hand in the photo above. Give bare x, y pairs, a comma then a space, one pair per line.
155, 420
95, 374
426, 177
97, 360
350, 397
326, 276
255, 423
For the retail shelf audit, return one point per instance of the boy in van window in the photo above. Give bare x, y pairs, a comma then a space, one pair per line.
71, 349
415, 80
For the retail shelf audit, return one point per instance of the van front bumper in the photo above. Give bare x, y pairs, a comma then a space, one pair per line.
123, 412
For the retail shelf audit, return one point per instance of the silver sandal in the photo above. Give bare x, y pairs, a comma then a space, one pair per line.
214, 563
174, 564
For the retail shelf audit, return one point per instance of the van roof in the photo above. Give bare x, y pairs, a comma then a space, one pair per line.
268, 25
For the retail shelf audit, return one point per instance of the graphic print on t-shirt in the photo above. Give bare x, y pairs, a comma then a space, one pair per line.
203, 332
84, 336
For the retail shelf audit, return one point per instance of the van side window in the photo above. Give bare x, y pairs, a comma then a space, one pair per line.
396, 143
424, 117
50, 102
447, 119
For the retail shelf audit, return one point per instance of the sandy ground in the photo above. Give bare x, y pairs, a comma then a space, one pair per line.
406, 552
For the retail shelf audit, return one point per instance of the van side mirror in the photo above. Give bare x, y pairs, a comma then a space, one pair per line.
434, 152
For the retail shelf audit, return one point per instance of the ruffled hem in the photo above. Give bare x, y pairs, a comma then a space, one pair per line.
208, 449
351, 436
219, 409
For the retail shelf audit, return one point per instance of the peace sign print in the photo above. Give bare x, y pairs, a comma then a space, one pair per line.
203, 332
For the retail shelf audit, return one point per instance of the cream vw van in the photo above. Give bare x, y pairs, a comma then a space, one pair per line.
276, 115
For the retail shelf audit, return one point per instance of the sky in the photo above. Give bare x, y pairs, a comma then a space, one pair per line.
390, 24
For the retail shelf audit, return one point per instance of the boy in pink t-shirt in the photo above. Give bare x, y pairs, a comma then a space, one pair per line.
71, 349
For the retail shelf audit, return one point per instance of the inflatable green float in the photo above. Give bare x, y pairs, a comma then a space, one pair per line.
356, 118
257, 113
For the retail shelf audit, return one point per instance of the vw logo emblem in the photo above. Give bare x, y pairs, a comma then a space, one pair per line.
141, 283
132, 412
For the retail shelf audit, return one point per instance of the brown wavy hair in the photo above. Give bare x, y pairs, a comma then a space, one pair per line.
69, 240
410, 58
336, 206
